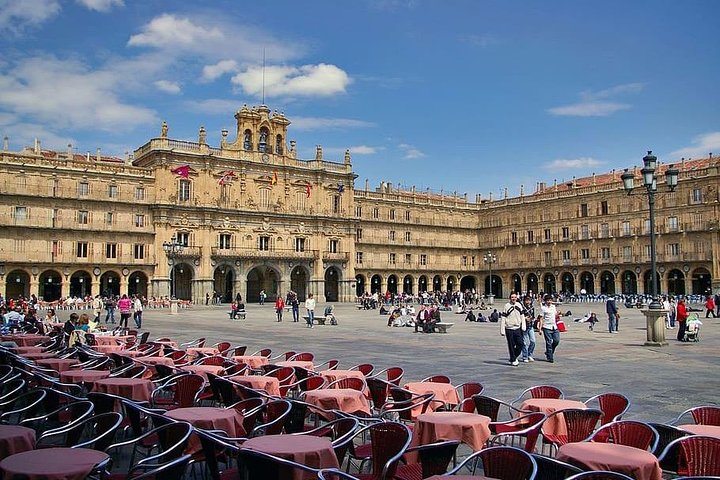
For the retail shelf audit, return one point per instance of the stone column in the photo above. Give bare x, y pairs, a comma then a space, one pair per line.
123, 285
34, 286
655, 322
95, 286
65, 287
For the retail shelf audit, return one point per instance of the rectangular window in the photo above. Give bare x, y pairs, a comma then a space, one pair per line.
583, 210
111, 250
55, 187
604, 209
358, 212
81, 249
605, 253
334, 246
423, 259
626, 228
358, 234
513, 238
83, 189
585, 253
391, 235
565, 233
299, 244
376, 213
224, 241
408, 259
605, 230
138, 251
55, 216
183, 238
300, 201
646, 229
407, 215
530, 236
472, 261
112, 191
407, 236
336, 203
627, 252
697, 195
54, 248
463, 261
391, 259
109, 217
358, 258
83, 217
20, 214
546, 234
139, 193
674, 249
647, 251
392, 214
673, 224
264, 243
139, 220
184, 190
584, 232
264, 199
548, 257
566, 254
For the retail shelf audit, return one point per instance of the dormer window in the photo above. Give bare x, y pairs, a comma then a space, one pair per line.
262, 143
247, 140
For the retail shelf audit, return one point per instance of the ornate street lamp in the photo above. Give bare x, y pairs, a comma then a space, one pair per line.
490, 258
649, 179
172, 249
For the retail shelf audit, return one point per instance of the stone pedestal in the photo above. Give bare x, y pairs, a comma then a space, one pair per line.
173, 307
490, 300
655, 321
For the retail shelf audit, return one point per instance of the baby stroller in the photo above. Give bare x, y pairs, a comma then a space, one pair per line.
692, 330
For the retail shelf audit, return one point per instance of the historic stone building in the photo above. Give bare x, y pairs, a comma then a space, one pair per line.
250, 216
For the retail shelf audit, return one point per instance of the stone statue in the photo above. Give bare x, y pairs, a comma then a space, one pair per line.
164, 130
318, 153
202, 136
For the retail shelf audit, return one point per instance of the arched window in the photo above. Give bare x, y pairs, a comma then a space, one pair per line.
247, 140
262, 142
279, 144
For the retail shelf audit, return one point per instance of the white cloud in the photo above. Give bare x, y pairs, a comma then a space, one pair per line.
15, 16
574, 163
101, 5
356, 150
67, 94
21, 135
167, 86
213, 106
213, 72
598, 103
308, 80
700, 147
410, 152
318, 123
171, 31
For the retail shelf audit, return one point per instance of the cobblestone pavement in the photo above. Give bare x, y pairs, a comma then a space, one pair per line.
660, 381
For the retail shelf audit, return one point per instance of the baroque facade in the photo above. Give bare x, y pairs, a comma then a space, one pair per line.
251, 216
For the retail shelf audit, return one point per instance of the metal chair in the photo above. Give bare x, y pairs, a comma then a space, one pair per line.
698, 455
703, 415
549, 468
502, 463
539, 391
612, 405
433, 459
627, 432
600, 475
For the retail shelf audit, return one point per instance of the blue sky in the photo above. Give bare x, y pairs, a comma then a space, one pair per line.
460, 95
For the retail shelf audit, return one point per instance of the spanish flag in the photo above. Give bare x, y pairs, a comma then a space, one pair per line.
181, 171
274, 179
308, 189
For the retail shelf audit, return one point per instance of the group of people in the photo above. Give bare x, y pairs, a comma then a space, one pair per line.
423, 321
518, 324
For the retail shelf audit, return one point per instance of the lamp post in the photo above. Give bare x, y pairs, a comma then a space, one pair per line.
172, 249
654, 314
490, 258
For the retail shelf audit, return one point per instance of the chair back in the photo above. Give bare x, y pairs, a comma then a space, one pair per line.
549, 468
250, 408
389, 440
545, 391
214, 447
136, 371
275, 413
600, 475
580, 423
379, 390
468, 389
629, 433
172, 470
303, 357
503, 463
612, 406
394, 375
437, 379
706, 415
312, 383
214, 360
352, 383
254, 464
25, 405
265, 352
666, 435
223, 347
144, 337
333, 474
365, 368
285, 376
223, 390
700, 455
239, 351
487, 406
435, 457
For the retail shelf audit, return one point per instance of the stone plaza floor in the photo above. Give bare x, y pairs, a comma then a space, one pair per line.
660, 381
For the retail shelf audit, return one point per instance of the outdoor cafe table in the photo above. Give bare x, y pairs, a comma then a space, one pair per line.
112, 339
39, 355
556, 424
252, 361
705, 430
203, 370
51, 464
156, 361
81, 376
443, 391
138, 389
271, 385
228, 420
24, 350
29, 340
108, 348
315, 452
15, 439
333, 375
639, 464
194, 351
130, 353
469, 428
58, 364
307, 365
344, 399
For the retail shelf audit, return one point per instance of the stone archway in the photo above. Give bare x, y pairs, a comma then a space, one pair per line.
181, 281
422, 284
437, 283
587, 283
262, 278
359, 285
532, 284
701, 282
224, 282
138, 284
607, 283
568, 283
467, 283
110, 284
676, 282
80, 284
376, 284
496, 289
299, 282
17, 284
451, 284
332, 284
549, 283
50, 286
629, 283
408, 285
516, 283
646, 281
392, 284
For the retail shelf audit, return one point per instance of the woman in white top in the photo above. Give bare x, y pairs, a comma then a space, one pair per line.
550, 328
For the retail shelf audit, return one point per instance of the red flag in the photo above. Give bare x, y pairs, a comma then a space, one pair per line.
181, 171
226, 177
308, 188
274, 179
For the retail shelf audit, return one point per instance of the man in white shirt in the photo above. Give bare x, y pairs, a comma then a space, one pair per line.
512, 324
310, 307
550, 328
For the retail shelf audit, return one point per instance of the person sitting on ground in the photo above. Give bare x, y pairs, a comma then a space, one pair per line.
481, 318
393, 316
494, 316
470, 317
330, 315
69, 326
482, 305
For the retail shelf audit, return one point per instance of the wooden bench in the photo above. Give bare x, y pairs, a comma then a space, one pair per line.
443, 326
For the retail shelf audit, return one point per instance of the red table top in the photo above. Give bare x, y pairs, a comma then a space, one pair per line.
73, 376
15, 439
639, 464
706, 430
52, 464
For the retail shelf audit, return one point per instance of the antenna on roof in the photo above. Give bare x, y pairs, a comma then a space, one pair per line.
263, 78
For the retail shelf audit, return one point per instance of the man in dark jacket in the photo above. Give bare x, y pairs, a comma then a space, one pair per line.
612, 313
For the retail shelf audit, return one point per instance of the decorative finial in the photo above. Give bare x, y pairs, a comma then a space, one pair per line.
202, 135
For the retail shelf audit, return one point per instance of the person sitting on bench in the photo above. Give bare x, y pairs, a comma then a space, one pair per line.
422, 316
429, 326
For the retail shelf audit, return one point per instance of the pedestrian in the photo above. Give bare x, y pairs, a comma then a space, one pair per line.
262, 297
310, 307
710, 307
207, 298
717, 304
529, 333
613, 315
550, 328
512, 325
138, 313
295, 307
97, 307
279, 307
125, 306
110, 308
681, 317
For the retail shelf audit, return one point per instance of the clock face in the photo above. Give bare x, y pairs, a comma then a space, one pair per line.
265, 158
